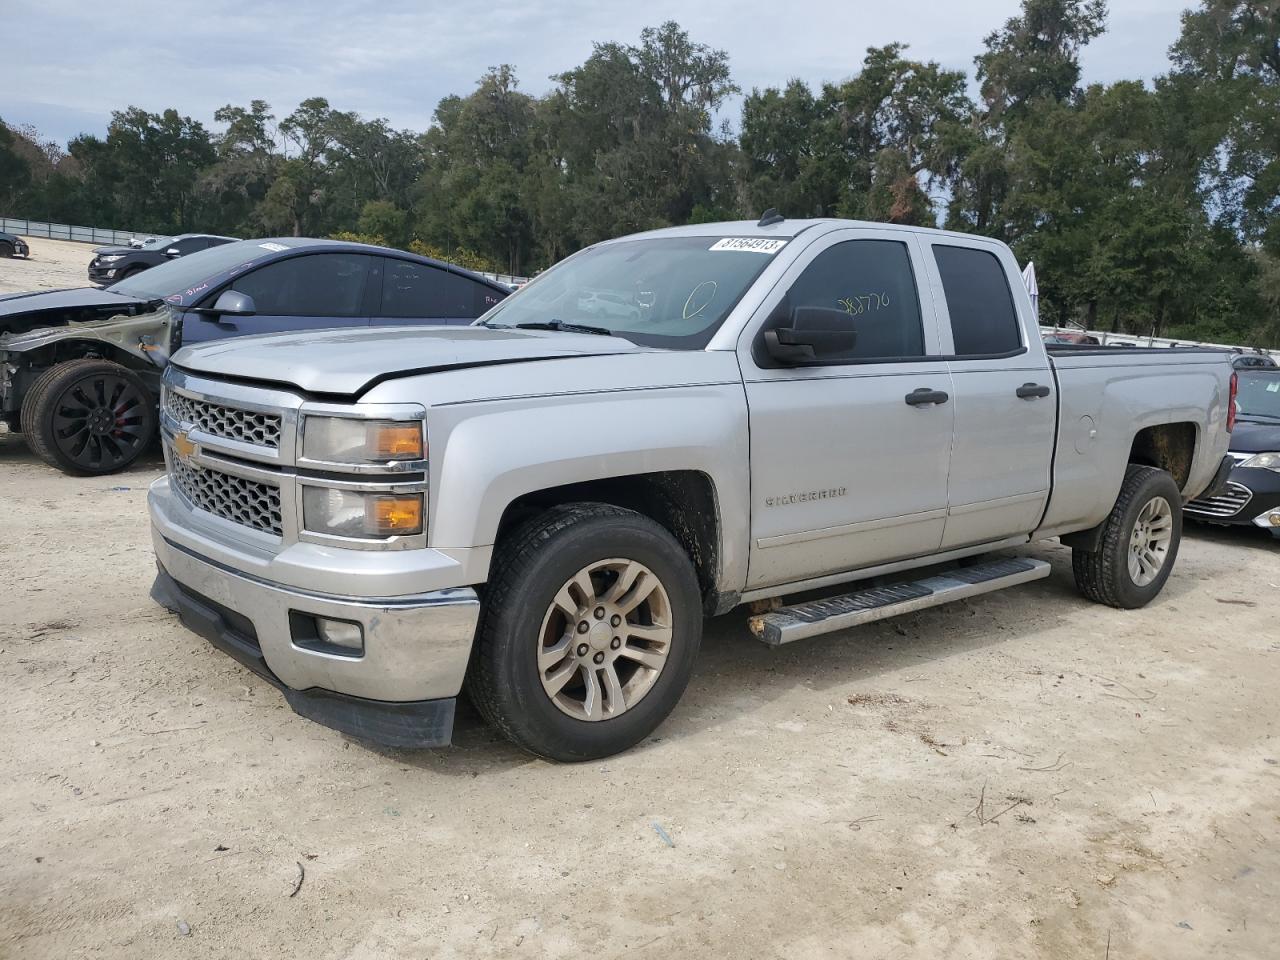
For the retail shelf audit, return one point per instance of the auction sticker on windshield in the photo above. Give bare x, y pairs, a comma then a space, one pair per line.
749, 245
277, 247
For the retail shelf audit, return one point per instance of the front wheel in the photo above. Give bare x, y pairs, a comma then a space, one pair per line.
589, 632
1139, 542
88, 416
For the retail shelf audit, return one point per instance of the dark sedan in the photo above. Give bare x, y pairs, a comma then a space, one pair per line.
1252, 494
80, 369
12, 245
113, 264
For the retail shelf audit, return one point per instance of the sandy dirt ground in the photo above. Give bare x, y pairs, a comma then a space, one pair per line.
1021, 775
52, 264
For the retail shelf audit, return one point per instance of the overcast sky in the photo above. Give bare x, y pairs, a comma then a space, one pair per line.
67, 64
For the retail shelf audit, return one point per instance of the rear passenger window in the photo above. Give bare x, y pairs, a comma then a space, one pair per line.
983, 318
418, 291
871, 281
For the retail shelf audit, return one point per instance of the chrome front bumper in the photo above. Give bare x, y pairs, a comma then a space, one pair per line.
416, 645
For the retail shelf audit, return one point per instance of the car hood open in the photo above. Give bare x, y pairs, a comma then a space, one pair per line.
350, 361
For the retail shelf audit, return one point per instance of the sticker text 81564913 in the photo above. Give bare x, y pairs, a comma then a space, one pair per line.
763, 245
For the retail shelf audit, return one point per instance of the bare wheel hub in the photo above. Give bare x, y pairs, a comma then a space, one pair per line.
604, 639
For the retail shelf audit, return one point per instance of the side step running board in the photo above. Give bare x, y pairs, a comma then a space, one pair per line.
878, 603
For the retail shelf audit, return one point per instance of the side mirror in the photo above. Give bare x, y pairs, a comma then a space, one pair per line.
232, 303
173, 252
809, 335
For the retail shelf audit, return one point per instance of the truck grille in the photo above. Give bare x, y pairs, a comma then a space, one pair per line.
259, 429
1231, 501
233, 498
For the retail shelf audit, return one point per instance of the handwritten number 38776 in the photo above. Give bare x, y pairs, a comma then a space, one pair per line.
868, 303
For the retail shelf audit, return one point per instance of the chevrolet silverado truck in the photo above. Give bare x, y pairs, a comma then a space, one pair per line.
542, 508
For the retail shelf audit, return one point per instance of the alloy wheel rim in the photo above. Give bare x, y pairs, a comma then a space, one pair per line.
100, 421
605, 639
1150, 541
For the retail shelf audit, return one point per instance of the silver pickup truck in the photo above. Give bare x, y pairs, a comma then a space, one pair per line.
542, 508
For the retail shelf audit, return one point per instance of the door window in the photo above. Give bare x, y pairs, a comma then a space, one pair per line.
415, 290
983, 319
319, 285
188, 245
871, 281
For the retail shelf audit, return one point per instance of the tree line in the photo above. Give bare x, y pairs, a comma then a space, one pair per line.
1148, 205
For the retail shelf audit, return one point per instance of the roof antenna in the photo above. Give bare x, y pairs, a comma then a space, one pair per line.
771, 216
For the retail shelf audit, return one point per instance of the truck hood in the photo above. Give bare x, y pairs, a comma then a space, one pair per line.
348, 362
20, 312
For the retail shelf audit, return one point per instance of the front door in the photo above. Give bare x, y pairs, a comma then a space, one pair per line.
316, 291
848, 468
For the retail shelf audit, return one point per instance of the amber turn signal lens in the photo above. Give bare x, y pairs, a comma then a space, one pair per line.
396, 441
391, 516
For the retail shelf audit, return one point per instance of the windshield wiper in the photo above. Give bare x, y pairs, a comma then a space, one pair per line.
1252, 417
565, 327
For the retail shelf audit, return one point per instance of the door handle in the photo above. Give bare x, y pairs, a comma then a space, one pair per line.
923, 395
1029, 391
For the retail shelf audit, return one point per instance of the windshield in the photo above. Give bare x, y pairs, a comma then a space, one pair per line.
176, 277
1258, 395
670, 292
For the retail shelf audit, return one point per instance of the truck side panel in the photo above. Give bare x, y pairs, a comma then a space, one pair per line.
1104, 401
484, 459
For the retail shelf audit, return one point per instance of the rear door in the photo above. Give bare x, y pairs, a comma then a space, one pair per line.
846, 471
410, 291
315, 291
1005, 403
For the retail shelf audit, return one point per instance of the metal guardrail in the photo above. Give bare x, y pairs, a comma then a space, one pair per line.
66, 231
505, 278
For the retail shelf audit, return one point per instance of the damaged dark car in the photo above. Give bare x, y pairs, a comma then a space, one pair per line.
80, 368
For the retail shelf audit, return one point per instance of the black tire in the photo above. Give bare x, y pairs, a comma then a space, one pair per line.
1103, 575
530, 568
6, 248
88, 417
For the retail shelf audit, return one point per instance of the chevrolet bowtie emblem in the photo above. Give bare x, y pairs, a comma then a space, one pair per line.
183, 445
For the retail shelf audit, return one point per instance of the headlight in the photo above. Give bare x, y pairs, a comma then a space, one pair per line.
111, 259
342, 440
349, 513
1267, 461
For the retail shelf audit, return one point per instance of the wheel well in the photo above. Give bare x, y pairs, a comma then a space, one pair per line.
682, 501
1169, 446
33, 363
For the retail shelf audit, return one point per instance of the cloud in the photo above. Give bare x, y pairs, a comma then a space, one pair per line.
396, 59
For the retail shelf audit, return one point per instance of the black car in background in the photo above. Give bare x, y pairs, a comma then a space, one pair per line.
80, 369
12, 245
1252, 493
113, 264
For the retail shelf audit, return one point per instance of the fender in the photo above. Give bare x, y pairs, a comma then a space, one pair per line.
484, 459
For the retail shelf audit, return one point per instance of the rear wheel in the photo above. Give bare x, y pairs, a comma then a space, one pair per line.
590, 628
89, 417
1139, 543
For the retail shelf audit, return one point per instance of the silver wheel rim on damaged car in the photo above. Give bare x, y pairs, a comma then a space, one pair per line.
1149, 543
605, 639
